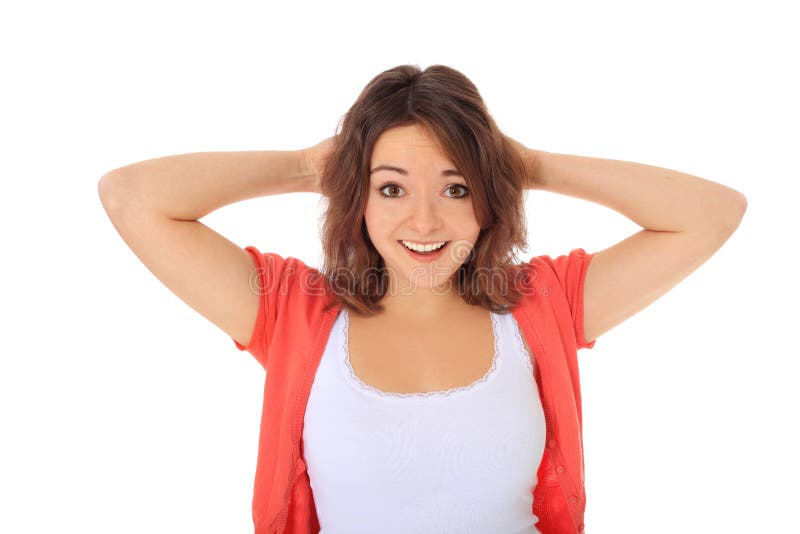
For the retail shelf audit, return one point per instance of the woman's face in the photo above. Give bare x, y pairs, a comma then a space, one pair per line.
424, 200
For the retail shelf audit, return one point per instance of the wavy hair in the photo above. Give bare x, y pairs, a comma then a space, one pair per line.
446, 103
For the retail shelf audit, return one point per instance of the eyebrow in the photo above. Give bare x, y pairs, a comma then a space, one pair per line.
448, 172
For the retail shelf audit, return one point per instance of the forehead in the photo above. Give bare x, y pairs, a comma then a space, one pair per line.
407, 141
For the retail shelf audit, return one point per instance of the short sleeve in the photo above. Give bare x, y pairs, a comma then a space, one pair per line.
264, 279
570, 270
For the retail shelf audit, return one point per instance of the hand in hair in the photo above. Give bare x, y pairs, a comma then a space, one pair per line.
314, 159
530, 157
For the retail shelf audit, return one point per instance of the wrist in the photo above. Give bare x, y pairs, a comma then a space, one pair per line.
305, 176
533, 168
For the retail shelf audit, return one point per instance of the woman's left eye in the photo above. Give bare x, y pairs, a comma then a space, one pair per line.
458, 186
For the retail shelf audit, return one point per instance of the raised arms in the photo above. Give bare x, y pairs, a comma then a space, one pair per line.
155, 204
685, 220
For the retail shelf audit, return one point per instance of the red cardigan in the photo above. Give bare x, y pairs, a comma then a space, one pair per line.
290, 335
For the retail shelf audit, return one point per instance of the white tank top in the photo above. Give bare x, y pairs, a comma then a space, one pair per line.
457, 461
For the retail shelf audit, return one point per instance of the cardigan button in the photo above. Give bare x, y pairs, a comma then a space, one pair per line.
573, 499
551, 444
580, 528
560, 469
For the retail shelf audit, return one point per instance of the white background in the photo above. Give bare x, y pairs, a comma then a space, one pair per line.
123, 410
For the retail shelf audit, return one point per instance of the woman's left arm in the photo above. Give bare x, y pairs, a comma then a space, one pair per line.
685, 220
655, 198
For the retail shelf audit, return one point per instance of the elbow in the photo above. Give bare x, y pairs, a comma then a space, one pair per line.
735, 212
741, 205
103, 186
109, 189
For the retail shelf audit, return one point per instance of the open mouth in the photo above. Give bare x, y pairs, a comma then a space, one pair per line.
430, 254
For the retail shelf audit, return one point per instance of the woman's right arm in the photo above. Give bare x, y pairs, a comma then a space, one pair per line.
189, 186
155, 205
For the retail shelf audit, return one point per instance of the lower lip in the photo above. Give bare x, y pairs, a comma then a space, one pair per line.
425, 257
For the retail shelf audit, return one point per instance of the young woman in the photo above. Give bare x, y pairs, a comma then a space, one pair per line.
425, 380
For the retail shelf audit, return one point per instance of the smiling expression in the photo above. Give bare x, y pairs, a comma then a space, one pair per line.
417, 194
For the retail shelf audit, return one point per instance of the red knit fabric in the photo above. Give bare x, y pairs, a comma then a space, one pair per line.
290, 335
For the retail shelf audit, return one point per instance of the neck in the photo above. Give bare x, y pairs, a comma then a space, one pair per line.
421, 303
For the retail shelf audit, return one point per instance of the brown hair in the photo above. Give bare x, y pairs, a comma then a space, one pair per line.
446, 103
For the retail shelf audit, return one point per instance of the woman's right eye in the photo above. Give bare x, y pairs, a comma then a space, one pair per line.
388, 186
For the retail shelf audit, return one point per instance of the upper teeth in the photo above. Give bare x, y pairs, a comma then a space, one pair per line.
423, 248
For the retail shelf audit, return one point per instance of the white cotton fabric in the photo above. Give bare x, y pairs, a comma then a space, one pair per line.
458, 461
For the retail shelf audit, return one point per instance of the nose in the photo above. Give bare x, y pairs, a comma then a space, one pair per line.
425, 217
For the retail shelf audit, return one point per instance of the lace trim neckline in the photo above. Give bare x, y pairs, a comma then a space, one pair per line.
529, 358
422, 394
